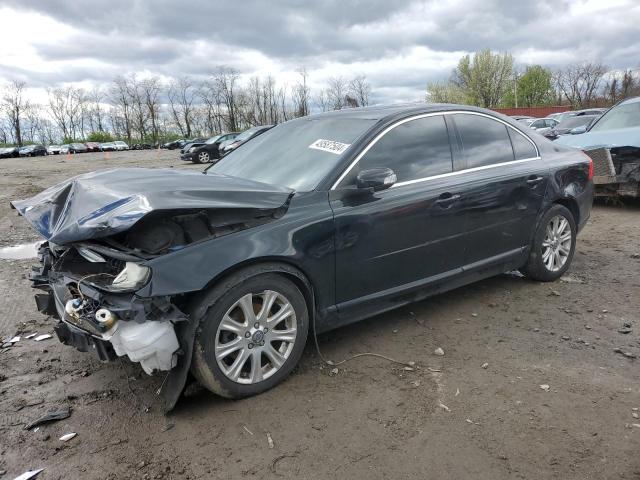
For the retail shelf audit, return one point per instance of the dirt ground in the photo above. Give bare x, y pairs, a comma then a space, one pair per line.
477, 412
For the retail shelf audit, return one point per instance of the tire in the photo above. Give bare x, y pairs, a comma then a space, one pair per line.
202, 157
550, 255
220, 310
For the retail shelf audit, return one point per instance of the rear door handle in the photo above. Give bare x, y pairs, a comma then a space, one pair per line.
447, 199
534, 180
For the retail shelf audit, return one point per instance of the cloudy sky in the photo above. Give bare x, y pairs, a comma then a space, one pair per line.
399, 45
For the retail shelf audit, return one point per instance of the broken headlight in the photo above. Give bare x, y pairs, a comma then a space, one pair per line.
132, 277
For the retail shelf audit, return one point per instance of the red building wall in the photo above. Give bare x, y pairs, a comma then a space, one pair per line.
538, 112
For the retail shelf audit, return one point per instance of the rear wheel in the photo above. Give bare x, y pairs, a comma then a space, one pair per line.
553, 245
252, 332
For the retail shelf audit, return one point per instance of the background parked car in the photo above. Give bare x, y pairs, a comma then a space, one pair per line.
77, 148
9, 152
141, 146
32, 151
174, 144
120, 145
571, 126
243, 137
207, 151
93, 146
107, 147
191, 142
53, 149
542, 123
526, 119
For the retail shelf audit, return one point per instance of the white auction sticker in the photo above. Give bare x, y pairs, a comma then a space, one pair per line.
330, 146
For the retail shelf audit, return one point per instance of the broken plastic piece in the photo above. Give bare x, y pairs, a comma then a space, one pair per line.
50, 416
29, 474
68, 436
45, 336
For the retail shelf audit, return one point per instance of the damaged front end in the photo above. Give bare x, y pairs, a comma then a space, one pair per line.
104, 229
93, 296
616, 171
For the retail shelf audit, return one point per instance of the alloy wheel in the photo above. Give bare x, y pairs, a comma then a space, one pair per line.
256, 337
203, 157
556, 246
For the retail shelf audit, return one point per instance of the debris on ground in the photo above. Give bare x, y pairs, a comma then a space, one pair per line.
555, 293
269, 440
247, 430
67, 436
51, 416
44, 336
545, 387
485, 365
438, 351
626, 354
334, 371
29, 474
571, 279
566, 338
626, 328
444, 407
31, 335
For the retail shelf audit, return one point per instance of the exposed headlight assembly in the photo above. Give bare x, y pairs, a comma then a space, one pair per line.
132, 277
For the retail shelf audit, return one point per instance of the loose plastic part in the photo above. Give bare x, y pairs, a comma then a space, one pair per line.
153, 344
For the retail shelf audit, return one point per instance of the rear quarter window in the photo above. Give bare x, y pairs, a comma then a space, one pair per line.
522, 147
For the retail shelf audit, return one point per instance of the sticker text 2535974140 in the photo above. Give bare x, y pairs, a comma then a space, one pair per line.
330, 146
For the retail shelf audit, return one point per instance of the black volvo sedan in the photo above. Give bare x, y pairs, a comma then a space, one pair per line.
319, 222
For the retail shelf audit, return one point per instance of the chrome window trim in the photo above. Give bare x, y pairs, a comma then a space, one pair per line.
433, 114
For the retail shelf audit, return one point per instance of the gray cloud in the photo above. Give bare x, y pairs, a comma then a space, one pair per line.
328, 36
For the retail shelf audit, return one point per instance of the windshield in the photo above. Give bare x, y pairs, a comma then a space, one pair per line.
213, 140
623, 116
573, 122
297, 154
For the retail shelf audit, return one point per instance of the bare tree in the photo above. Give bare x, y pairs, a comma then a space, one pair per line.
15, 104
66, 105
151, 88
226, 82
580, 83
121, 115
181, 94
359, 89
301, 95
336, 92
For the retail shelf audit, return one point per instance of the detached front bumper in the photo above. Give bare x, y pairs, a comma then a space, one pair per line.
109, 324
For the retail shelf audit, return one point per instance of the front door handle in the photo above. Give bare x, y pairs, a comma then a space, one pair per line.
446, 199
534, 180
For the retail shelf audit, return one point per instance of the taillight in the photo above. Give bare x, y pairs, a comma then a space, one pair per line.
590, 174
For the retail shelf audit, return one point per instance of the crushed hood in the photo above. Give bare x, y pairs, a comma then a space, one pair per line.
107, 202
621, 137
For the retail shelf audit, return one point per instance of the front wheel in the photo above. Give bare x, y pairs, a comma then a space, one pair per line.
554, 244
253, 329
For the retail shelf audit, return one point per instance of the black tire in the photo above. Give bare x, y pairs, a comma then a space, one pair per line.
209, 311
535, 267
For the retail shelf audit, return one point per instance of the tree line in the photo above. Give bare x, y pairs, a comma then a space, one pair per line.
492, 80
151, 110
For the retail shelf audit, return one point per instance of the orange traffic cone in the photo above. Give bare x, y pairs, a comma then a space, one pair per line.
68, 155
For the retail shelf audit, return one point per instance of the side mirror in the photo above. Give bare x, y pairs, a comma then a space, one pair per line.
578, 130
376, 178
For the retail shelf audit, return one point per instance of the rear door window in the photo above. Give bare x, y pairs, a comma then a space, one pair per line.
484, 141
